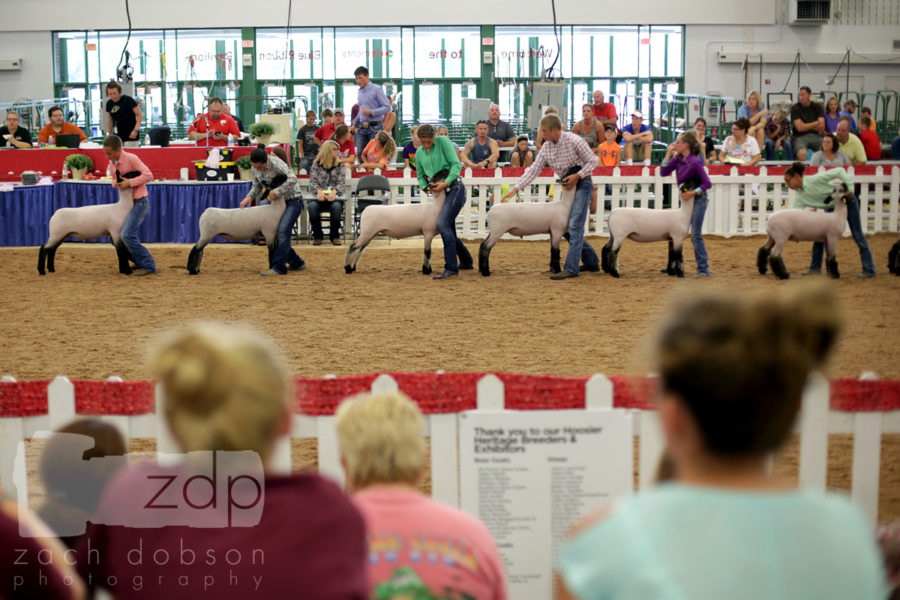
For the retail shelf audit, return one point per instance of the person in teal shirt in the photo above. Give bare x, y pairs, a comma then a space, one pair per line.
434, 155
732, 368
815, 191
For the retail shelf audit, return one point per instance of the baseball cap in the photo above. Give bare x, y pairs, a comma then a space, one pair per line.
850, 102
637, 113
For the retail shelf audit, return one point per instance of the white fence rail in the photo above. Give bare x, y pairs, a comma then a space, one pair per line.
816, 422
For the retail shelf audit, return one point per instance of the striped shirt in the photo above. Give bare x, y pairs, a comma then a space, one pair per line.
560, 156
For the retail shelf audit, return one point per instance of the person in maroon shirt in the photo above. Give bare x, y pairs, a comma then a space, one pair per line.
219, 525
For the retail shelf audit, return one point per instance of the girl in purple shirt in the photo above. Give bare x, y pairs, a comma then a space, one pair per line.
684, 157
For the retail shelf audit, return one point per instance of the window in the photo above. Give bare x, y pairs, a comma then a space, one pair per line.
298, 56
442, 52
532, 51
376, 48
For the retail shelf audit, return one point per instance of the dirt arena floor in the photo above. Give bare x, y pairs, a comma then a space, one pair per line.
88, 322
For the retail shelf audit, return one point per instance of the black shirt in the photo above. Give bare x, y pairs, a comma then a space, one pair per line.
807, 114
501, 132
21, 135
237, 120
307, 136
122, 113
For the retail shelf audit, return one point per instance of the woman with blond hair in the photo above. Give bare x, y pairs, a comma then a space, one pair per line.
732, 369
220, 522
383, 453
327, 179
380, 151
757, 114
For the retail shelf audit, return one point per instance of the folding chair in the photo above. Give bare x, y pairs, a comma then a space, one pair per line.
372, 189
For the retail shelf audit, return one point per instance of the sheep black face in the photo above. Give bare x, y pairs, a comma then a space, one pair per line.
894, 258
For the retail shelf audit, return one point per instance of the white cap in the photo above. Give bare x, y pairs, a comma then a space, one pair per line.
638, 114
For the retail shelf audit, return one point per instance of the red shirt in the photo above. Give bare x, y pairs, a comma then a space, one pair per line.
347, 149
871, 143
224, 124
606, 111
325, 132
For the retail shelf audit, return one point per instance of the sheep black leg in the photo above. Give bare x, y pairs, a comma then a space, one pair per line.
194, 258
554, 259
605, 254
777, 264
832, 267
484, 260
614, 263
670, 263
426, 263
894, 258
51, 258
678, 266
124, 256
762, 259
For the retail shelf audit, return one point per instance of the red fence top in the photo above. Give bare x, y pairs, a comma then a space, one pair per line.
436, 393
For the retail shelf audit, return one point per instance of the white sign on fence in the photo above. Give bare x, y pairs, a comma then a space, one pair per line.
530, 475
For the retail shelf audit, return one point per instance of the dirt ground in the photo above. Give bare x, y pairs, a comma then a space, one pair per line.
88, 322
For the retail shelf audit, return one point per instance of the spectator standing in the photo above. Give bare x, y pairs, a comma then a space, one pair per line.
808, 119
610, 155
849, 144
732, 368
328, 180
481, 152
383, 453
213, 127
522, 155
849, 110
637, 138
379, 152
409, 150
125, 115
306, 141
605, 111
829, 155
832, 114
778, 135
500, 130
757, 114
869, 138
739, 148
373, 107
57, 126
563, 151
122, 163
707, 144
12, 135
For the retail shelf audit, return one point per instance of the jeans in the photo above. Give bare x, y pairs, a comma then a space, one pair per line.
785, 144
363, 136
306, 162
335, 208
855, 223
579, 249
446, 224
701, 201
139, 254
895, 148
284, 255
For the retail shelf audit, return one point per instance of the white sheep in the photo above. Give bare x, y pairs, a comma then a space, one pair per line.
397, 221
804, 226
648, 225
85, 223
237, 224
523, 219
894, 258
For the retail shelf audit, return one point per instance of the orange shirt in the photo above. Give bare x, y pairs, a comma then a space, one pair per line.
609, 154
67, 128
372, 153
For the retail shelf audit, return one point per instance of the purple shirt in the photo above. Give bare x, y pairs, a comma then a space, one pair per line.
687, 169
373, 98
832, 123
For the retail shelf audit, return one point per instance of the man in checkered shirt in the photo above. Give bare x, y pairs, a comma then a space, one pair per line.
561, 151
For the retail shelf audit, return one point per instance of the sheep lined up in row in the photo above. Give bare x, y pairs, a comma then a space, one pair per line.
804, 226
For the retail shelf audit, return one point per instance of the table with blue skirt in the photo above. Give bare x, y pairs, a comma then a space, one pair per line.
173, 214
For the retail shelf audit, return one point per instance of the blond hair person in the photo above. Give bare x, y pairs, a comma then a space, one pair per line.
224, 389
328, 180
383, 453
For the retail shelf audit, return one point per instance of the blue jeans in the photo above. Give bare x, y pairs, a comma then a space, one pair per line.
139, 254
785, 144
895, 148
701, 201
446, 224
855, 223
284, 255
363, 136
579, 249
335, 208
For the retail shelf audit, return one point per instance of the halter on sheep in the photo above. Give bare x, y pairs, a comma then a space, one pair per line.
239, 224
804, 226
397, 221
88, 222
648, 225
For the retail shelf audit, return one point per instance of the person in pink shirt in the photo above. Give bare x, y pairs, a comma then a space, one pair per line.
124, 163
418, 547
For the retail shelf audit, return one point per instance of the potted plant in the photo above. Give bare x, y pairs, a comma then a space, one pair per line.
243, 164
79, 164
262, 132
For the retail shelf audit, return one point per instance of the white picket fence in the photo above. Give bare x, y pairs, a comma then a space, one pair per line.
816, 422
738, 204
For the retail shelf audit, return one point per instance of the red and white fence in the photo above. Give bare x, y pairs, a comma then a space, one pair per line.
866, 408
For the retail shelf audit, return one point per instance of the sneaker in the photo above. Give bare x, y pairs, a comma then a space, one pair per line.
702, 275
563, 275
270, 272
142, 272
335, 242
317, 242
866, 275
445, 275
300, 267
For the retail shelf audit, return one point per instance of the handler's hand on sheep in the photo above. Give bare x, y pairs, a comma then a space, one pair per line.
125, 184
437, 187
571, 181
246, 202
512, 192
685, 196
